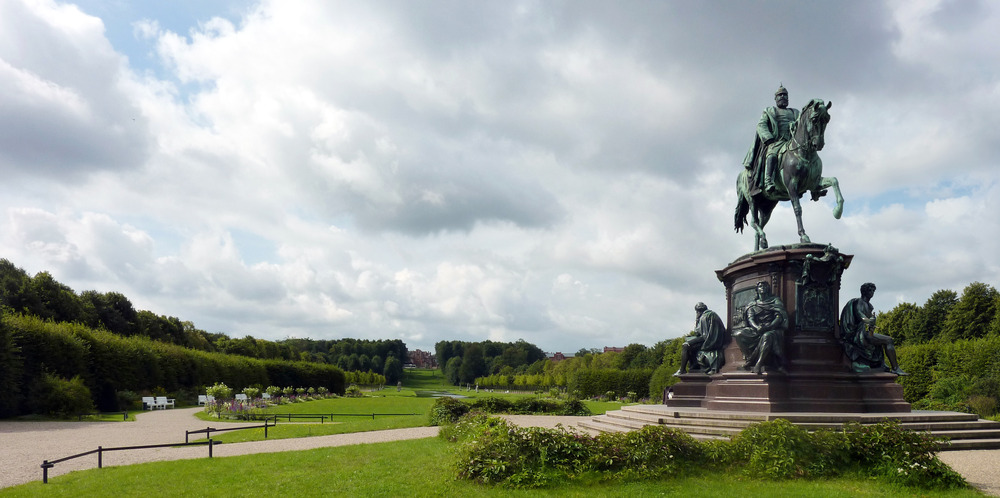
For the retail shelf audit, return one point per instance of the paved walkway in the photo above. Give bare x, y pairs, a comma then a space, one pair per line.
24, 445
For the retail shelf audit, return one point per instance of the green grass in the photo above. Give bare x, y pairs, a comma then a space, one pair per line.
404, 468
389, 400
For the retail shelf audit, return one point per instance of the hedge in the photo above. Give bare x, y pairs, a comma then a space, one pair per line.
588, 383
110, 363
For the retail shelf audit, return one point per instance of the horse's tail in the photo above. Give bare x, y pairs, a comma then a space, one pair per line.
742, 204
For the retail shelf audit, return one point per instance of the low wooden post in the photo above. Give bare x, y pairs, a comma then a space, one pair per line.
100, 457
45, 471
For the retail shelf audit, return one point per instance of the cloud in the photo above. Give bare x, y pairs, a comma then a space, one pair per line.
63, 109
561, 172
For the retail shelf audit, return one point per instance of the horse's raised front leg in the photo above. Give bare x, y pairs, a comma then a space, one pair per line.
827, 182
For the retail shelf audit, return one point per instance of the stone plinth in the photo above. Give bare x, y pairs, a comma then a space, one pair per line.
819, 379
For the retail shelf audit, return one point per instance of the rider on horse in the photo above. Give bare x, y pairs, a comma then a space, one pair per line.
773, 132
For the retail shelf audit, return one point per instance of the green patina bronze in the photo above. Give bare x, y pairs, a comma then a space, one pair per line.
761, 336
783, 164
704, 350
866, 348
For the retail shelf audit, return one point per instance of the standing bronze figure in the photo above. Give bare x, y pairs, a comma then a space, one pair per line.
783, 164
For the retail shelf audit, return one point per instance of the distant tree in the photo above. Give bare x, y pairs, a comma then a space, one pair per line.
972, 315
442, 349
13, 281
929, 323
52, 300
451, 370
898, 323
393, 370
473, 364
114, 312
377, 364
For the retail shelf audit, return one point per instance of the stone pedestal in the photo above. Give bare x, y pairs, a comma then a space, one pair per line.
819, 379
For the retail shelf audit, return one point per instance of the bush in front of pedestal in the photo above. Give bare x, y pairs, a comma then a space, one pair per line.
494, 451
777, 450
780, 450
907, 457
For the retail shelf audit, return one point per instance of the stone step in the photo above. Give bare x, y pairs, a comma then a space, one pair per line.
973, 444
965, 431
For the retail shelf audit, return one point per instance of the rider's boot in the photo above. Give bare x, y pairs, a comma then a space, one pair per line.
769, 165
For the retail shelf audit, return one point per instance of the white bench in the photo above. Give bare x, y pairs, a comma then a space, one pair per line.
241, 397
202, 400
162, 402
148, 403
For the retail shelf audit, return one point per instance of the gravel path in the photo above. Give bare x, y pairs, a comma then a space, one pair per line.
24, 445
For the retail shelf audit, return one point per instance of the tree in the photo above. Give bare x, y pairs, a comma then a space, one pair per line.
972, 315
52, 300
393, 371
898, 323
473, 364
930, 321
442, 349
451, 370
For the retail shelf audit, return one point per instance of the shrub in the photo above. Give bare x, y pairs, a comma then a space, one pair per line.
252, 392
493, 404
273, 391
984, 406
128, 400
56, 396
776, 449
493, 451
447, 410
353, 391
906, 457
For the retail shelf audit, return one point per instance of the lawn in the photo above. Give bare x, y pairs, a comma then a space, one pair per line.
413, 398
415, 468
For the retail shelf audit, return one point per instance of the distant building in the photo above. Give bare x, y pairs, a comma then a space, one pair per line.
422, 359
608, 349
556, 357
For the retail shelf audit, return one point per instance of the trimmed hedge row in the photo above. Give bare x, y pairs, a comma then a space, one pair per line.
588, 383
447, 410
931, 362
110, 363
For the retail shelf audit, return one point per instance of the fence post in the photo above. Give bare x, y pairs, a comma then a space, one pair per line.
100, 457
45, 471
209, 447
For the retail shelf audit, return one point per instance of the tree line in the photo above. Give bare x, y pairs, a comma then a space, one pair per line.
44, 297
950, 346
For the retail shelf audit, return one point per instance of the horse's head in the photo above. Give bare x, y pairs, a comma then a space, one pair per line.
811, 126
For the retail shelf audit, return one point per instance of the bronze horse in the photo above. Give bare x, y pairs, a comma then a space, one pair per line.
799, 170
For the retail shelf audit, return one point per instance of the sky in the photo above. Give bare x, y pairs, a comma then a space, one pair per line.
561, 172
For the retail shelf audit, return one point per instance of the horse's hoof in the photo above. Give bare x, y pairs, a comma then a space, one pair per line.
804, 239
838, 211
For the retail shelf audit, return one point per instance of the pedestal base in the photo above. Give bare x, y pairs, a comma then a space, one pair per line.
819, 377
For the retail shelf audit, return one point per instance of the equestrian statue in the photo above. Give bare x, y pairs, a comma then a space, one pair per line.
783, 164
